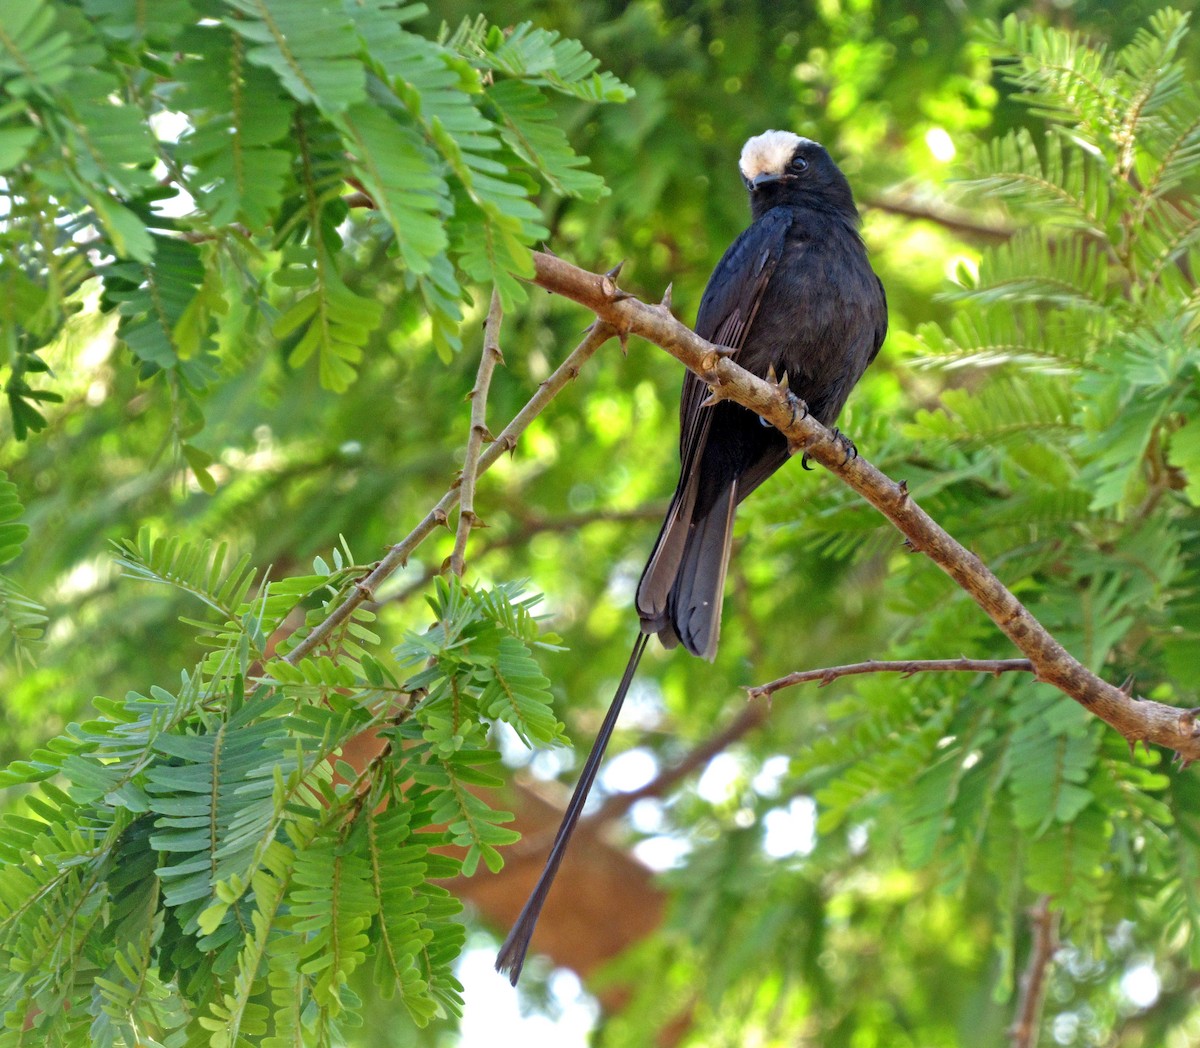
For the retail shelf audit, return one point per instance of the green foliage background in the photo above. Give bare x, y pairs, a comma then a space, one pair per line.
252, 390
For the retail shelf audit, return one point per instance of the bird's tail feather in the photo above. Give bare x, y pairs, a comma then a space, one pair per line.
700, 580
662, 568
511, 957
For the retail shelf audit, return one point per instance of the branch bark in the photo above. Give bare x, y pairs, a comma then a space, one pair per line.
483, 380
1137, 720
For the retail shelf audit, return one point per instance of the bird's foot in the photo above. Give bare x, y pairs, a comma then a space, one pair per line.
797, 408
846, 444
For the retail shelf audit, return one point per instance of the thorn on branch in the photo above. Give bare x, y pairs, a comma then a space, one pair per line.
608, 284
902, 488
365, 590
666, 299
440, 516
1127, 687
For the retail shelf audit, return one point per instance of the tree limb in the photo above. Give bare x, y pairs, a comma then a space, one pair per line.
906, 668
1135, 719
398, 555
490, 357
1044, 924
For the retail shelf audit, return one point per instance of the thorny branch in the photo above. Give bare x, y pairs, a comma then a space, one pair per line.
905, 668
1043, 923
487, 364
1136, 719
398, 555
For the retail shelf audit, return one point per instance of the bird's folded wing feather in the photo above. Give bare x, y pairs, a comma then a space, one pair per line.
726, 314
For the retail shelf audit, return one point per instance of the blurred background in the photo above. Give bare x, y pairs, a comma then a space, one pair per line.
744, 905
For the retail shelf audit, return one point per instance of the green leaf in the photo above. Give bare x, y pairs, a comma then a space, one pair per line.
35, 55
310, 45
15, 142
402, 178
530, 129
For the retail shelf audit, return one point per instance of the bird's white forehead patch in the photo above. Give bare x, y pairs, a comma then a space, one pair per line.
768, 153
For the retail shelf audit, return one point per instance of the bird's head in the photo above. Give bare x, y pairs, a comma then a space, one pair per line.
779, 167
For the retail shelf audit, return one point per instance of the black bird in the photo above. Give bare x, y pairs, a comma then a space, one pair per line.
794, 295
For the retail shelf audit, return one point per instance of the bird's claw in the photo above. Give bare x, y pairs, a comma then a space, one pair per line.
846, 444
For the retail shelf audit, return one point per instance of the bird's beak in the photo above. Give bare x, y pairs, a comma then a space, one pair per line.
765, 179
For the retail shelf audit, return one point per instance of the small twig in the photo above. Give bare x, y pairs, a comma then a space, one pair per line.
831, 673
757, 710
752, 715
483, 379
1044, 924
957, 220
398, 555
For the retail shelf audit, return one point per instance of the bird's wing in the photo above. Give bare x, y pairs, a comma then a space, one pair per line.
727, 311
881, 321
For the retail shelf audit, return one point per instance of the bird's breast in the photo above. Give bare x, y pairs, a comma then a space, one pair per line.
815, 312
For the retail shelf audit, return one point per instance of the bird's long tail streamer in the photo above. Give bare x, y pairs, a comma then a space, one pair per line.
511, 957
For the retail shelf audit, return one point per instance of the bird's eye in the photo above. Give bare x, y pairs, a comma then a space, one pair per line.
799, 163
